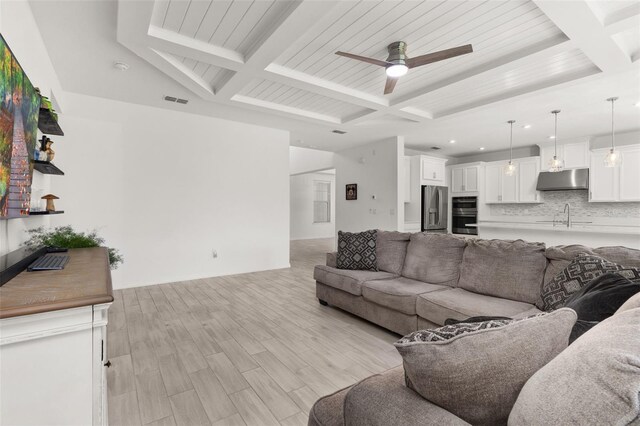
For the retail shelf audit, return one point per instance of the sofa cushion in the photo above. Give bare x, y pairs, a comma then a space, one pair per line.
347, 280
357, 250
329, 410
560, 256
461, 304
398, 293
595, 381
434, 258
509, 269
391, 249
383, 400
578, 273
478, 375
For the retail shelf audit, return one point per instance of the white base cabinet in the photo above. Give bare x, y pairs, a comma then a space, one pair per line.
517, 188
615, 184
53, 369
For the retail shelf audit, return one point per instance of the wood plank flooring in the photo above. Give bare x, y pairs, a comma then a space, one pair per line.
251, 349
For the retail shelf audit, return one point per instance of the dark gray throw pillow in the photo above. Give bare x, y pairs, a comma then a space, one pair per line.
600, 299
357, 250
476, 370
581, 271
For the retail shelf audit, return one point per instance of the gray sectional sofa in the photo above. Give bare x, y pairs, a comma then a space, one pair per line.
424, 279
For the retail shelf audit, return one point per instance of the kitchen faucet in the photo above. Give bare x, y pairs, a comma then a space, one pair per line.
567, 210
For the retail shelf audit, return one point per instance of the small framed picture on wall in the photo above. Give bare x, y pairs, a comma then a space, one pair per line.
352, 191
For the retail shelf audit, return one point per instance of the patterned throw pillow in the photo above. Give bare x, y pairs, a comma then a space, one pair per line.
357, 250
450, 331
582, 270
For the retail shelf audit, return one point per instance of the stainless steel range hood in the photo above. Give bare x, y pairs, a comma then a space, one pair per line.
564, 180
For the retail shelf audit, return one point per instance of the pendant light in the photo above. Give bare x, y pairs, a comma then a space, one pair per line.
556, 164
510, 169
613, 158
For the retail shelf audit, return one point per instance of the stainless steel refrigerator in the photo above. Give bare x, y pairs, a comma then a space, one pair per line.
434, 208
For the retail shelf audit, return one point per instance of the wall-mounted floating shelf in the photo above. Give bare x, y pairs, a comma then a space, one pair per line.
48, 124
47, 168
44, 212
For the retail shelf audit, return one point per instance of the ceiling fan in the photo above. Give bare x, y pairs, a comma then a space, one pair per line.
397, 64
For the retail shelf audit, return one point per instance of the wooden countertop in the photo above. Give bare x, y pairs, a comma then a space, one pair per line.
85, 280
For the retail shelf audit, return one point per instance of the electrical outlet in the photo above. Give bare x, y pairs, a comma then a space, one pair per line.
215, 253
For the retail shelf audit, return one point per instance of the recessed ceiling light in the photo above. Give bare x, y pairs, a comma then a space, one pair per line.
452, 141
482, 148
638, 104
526, 126
121, 66
552, 137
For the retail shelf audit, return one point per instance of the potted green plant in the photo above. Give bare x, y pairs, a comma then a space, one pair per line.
66, 237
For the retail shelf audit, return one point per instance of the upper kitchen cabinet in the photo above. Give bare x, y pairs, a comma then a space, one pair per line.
575, 155
427, 170
465, 178
517, 188
615, 184
432, 170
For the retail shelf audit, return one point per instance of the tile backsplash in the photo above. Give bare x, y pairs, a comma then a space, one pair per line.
554, 202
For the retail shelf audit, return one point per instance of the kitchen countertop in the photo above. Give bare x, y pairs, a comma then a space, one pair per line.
593, 228
85, 280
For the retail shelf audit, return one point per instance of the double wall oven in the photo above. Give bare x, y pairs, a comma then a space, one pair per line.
464, 211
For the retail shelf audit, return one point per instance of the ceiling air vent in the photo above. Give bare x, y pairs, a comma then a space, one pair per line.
340, 132
435, 148
176, 100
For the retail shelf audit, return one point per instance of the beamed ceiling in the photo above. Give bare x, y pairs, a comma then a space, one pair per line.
277, 58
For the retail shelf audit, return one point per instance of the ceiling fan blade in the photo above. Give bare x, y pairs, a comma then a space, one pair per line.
390, 85
438, 56
364, 59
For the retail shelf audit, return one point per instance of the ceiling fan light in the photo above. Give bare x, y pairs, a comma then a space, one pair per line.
612, 159
397, 70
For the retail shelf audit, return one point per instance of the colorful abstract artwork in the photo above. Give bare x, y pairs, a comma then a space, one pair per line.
19, 112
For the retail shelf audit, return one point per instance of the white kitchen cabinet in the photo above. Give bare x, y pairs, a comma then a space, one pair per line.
615, 184
528, 171
630, 174
465, 178
575, 155
407, 179
432, 170
517, 188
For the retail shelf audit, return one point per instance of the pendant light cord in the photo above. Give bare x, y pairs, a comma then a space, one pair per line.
613, 133
555, 135
511, 141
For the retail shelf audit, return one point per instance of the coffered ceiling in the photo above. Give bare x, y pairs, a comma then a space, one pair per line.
276, 58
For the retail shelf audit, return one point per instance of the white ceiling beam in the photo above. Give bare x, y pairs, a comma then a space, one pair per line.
524, 90
578, 21
300, 16
627, 16
286, 110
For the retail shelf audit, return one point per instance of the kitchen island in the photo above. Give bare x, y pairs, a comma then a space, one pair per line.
588, 234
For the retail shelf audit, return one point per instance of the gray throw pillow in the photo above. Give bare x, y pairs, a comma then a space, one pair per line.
595, 381
476, 370
580, 272
357, 250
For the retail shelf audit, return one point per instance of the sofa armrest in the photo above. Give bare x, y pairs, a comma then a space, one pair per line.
384, 400
331, 259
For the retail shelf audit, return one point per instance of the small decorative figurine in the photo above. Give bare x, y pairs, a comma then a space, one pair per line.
50, 206
50, 152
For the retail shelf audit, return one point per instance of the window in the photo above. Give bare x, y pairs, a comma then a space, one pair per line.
321, 202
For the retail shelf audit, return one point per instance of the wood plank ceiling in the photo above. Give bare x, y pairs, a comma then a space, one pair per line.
278, 56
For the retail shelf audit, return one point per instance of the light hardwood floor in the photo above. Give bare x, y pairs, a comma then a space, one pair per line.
250, 349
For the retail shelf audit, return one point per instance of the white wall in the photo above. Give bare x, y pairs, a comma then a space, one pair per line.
167, 188
306, 160
376, 168
301, 200
21, 33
